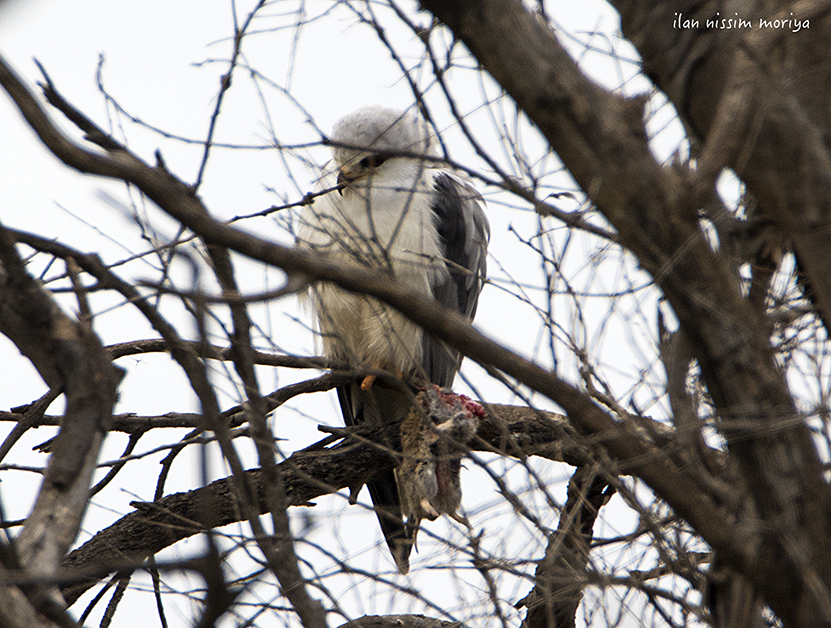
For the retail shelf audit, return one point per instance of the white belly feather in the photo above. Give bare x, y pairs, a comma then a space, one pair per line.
385, 222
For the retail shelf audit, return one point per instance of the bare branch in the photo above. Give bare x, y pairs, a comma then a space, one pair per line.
400, 621
315, 471
628, 449
70, 358
561, 575
601, 139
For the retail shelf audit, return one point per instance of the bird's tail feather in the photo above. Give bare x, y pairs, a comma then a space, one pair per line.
381, 404
384, 494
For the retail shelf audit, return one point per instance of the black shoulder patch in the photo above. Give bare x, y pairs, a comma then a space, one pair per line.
449, 219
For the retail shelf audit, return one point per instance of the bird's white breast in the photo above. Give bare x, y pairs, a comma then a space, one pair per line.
385, 221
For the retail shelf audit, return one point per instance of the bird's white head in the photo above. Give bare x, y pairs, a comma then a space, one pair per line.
367, 138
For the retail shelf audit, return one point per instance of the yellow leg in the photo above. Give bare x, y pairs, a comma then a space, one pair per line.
367, 382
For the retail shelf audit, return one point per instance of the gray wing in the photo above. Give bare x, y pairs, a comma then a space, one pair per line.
459, 217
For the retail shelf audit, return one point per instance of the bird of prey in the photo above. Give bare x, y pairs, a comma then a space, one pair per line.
394, 206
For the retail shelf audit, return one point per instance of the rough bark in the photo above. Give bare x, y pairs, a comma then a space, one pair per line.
561, 574
307, 474
752, 103
70, 358
400, 621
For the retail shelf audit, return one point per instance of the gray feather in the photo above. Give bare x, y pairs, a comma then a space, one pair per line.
464, 233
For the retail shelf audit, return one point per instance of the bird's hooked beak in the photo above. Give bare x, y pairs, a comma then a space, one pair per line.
346, 176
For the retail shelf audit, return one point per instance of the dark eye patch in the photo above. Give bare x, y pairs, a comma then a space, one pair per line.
374, 160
